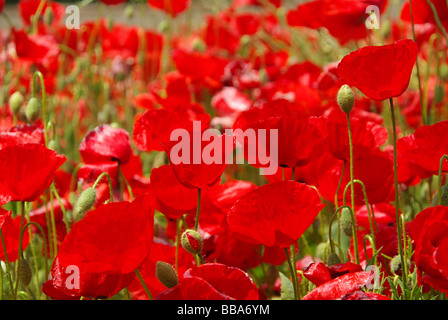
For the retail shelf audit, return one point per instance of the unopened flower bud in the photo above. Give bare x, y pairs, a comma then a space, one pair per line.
346, 98
166, 274
192, 241
25, 272
129, 11
52, 145
33, 109
395, 264
444, 72
333, 259
15, 102
48, 16
439, 94
86, 201
346, 222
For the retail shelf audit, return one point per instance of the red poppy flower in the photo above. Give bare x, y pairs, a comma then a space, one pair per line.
11, 233
2, 4
212, 281
103, 249
22, 135
344, 19
104, 144
28, 8
380, 72
228, 104
26, 171
152, 130
429, 231
278, 213
70, 283
114, 238
318, 273
339, 287
422, 12
173, 199
173, 7
211, 72
205, 162
299, 139
425, 147
41, 50
160, 251
367, 136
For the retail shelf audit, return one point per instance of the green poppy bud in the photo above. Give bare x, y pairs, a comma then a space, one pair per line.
48, 16
32, 111
15, 102
395, 264
129, 11
346, 222
439, 94
86, 201
192, 241
444, 72
346, 98
25, 272
166, 274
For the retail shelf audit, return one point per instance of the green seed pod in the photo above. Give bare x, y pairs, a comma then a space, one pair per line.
163, 26
439, 94
435, 201
444, 72
129, 11
52, 145
86, 201
346, 222
198, 45
25, 272
15, 102
48, 16
346, 98
192, 241
166, 274
333, 259
33, 109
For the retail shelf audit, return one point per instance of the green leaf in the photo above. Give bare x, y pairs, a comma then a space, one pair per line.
287, 288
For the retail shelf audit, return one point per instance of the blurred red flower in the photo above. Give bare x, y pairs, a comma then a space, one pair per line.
380, 72
278, 213
173, 7
344, 19
425, 147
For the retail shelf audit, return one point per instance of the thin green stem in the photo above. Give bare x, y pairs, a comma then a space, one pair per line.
142, 282
198, 210
397, 204
437, 18
111, 189
8, 267
439, 183
293, 274
352, 188
64, 213
39, 75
